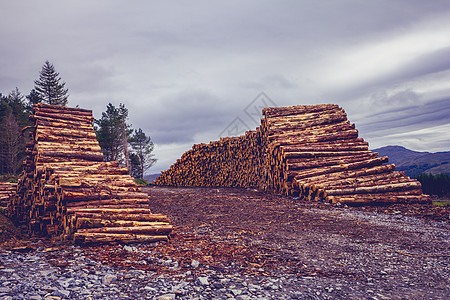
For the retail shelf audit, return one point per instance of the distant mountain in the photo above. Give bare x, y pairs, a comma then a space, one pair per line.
151, 177
414, 163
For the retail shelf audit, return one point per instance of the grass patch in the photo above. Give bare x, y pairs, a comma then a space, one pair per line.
140, 181
9, 178
441, 202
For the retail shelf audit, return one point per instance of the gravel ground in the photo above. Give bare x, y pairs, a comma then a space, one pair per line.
242, 244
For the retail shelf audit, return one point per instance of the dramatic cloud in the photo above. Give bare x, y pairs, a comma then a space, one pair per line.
190, 72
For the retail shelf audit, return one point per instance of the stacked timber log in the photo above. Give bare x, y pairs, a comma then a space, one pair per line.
66, 189
309, 151
229, 162
319, 156
7, 190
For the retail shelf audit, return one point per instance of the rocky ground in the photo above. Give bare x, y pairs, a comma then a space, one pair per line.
243, 244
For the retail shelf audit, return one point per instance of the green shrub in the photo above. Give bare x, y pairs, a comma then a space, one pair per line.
140, 181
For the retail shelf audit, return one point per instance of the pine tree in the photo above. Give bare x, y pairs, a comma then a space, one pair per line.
141, 156
112, 131
48, 86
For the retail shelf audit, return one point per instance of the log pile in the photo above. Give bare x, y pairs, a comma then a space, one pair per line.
7, 190
309, 151
229, 162
67, 190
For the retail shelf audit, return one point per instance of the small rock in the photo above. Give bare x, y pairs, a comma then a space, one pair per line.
52, 298
202, 280
195, 263
254, 287
236, 292
8, 270
218, 285
46, 272
108, 278
168, 262
167, 297
129, 248
150, 289
61, 293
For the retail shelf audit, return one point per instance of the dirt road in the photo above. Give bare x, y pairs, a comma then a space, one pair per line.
349, 252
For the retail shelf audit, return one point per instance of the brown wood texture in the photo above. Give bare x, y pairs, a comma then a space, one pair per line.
65, 179
309, 151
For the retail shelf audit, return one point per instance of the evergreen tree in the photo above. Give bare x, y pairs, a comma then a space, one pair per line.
48, 86
112, 131
33, 97
141, 157
435, 184
12, 146
13, 117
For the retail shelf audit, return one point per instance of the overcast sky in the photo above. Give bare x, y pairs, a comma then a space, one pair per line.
192, 71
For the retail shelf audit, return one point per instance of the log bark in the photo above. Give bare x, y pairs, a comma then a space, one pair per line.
379, 198
345, 174
96, 223
307, 163
327, 148
151, 230
60, 134
58, 116
69, 147
73, 196
96, 180
402, 186
108, 211
314, 154
61, 109
273, 112
89, 238
49, 155
368, 180
291, 126
144, 217
342, 167
348, 134
114, 201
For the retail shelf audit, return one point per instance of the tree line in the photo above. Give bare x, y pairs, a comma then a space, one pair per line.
117, 139
438, 184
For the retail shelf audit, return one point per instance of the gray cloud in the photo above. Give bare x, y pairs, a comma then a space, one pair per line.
185, 70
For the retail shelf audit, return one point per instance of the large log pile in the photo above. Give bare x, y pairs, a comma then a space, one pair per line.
229, 162
311, 151
66, 189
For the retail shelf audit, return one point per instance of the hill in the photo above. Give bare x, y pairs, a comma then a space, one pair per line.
151, 177
414, 163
